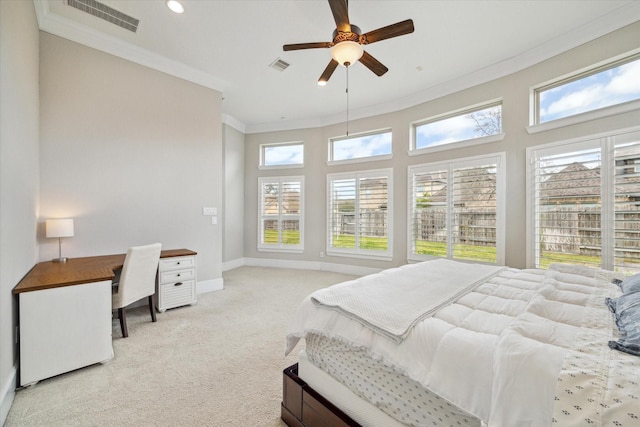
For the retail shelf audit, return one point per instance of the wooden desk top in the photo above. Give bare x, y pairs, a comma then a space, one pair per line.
46, 275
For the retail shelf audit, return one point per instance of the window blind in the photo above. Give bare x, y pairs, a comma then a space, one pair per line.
586, 203
455, 210
359, 213
280, 213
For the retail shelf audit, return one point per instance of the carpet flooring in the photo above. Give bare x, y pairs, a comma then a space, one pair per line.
216, 363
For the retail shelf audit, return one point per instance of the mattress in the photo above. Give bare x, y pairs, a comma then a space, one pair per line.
505, 351
382, 385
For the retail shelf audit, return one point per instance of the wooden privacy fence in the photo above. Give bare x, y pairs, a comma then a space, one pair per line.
578, 230
373, 223
477, 227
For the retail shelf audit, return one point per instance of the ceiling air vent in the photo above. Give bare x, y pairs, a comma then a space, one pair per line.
105, 12
279, 65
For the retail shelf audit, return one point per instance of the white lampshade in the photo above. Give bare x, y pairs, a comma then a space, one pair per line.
347, 52
59, 227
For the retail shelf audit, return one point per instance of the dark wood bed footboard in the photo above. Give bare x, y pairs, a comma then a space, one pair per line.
302, 406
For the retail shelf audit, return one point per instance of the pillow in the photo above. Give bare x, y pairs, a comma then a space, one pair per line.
627, 315
631, 284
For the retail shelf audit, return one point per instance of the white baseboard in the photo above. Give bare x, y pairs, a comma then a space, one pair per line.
230, 265
7, 394
205, 286
311, 265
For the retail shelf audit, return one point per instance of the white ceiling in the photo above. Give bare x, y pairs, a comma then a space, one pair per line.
228, 46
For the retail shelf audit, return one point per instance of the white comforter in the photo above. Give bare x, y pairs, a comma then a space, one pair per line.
497, 352
392, 301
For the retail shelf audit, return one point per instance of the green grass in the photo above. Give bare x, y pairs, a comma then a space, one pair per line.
289, 237
460, 251
371, 243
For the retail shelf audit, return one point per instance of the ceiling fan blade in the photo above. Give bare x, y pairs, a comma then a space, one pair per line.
299, 46
340, 15
373, 64
393, 30
326, 74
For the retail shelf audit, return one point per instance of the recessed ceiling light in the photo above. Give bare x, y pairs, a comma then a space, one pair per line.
175, 6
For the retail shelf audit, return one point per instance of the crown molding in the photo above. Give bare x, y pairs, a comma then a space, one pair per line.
620, 18
71, 30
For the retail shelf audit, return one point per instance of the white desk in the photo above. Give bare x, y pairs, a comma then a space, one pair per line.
65, 314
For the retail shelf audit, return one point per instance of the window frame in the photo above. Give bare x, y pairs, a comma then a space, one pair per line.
413, 150
450, 166
606, 144
357, 252
534, 96
332, 140
263, 147
280, 247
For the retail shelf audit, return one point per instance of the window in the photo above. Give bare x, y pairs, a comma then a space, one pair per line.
281, 203
360, 215
604, 86
463, 125
290, 154
585, 203
456, 210
370, 146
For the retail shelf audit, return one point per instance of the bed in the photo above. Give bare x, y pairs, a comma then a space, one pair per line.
450, 343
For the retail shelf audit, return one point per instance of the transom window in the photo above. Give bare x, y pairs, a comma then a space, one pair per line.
605, 86
585, 203
462, 125
360, 215
289, 154
456, 210
370, 146
281, 221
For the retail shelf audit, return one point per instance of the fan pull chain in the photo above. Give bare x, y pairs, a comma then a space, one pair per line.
347, 92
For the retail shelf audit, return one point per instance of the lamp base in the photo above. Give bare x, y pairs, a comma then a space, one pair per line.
61, 260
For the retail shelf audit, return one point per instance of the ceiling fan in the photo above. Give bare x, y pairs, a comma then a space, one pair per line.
346, 47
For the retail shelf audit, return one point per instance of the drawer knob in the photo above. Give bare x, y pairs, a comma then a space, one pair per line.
178, 274
178, 284
178, 262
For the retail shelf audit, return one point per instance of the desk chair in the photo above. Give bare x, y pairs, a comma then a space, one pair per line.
137, 280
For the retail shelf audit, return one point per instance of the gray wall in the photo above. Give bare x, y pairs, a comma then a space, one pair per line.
233, 212
514, 89
18, 172
131, 153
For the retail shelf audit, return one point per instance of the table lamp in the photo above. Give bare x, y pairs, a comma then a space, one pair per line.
60, 228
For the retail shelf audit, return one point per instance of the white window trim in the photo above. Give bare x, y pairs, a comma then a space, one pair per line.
501, 188
587, 116
281, 248
357, 252
458, 144
588, 141
360, 160
331, 162
580, 117
262, 166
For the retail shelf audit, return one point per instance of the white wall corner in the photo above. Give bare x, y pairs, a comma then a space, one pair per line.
204, 286
7, 395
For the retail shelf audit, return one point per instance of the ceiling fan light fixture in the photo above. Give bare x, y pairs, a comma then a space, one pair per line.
347, 52
175, 6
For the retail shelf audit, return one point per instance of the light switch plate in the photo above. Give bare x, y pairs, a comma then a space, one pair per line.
209, 211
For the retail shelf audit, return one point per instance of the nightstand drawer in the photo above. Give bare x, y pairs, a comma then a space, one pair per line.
177, 263
177, 276
174, 295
